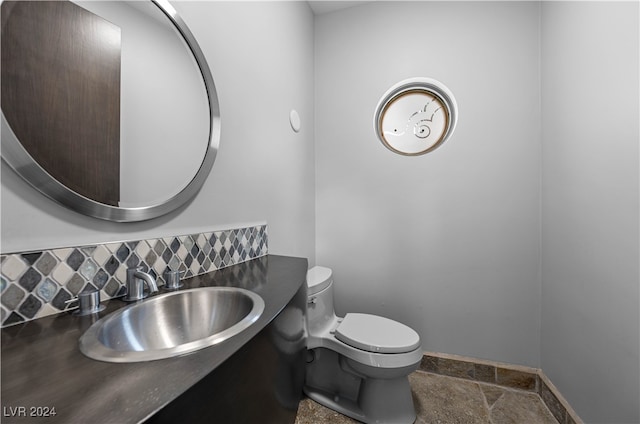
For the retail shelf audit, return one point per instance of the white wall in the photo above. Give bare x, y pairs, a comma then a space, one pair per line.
590, 290
261, 58
447, 243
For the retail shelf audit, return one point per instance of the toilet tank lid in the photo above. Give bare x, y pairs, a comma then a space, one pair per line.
318, 279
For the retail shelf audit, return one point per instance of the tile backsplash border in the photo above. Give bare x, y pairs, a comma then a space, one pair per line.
40, 283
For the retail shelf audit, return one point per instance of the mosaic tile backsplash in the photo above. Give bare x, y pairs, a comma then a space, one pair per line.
37, 284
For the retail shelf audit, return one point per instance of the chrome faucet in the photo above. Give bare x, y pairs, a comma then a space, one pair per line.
135, 284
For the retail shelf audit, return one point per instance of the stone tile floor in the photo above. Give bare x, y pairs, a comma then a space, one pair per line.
449, 400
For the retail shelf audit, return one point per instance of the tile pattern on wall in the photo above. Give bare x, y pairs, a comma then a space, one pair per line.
37, 284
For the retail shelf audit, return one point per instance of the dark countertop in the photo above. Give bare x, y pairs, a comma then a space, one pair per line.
43, 367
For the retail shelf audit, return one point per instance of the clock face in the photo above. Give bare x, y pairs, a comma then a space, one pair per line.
413, 122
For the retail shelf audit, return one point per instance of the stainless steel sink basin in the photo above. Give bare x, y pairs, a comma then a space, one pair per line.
172, 324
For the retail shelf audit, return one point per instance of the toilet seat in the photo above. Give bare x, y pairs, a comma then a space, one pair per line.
377, 334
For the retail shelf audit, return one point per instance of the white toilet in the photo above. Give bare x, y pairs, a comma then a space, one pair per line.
358, 365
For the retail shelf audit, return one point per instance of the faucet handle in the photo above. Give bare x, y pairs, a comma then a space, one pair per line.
88, 303
172, 279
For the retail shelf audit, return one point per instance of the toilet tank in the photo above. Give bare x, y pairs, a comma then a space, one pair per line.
320, 313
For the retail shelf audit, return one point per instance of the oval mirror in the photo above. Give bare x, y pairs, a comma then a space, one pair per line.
108, 107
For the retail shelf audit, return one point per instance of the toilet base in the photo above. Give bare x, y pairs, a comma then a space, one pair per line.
332, 382
388, 401
397, 408
335, 402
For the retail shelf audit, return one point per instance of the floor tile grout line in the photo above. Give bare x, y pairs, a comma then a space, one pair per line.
486, 402
540, 378
502, 391
507, 388
501, 387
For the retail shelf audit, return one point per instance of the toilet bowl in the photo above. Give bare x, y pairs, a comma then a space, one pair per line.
358, 364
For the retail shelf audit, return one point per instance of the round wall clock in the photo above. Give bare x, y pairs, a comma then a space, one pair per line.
415, 116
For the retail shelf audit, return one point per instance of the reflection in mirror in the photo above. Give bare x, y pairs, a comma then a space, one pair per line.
69, 121
111, 98
164, 107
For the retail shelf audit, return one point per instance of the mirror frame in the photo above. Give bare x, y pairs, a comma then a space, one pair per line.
16, 156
